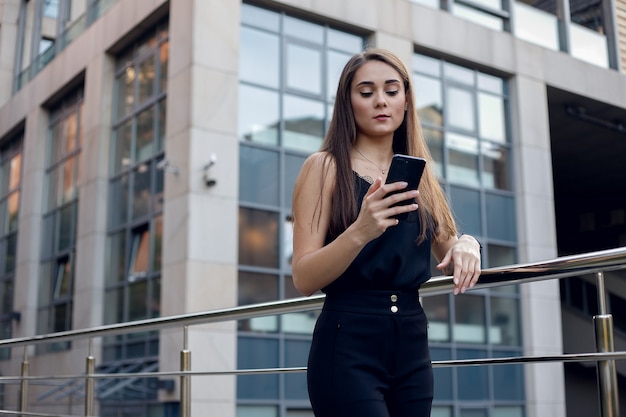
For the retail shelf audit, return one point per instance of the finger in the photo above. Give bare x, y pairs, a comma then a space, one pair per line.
376, 185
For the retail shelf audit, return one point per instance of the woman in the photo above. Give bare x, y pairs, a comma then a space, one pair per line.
369, 355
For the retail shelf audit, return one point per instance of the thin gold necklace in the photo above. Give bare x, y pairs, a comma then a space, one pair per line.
383, 170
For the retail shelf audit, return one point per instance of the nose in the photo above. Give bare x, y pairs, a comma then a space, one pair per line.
381, 100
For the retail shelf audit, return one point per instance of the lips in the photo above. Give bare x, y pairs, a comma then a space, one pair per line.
381, 117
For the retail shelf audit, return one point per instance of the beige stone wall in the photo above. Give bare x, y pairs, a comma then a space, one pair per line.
621, 32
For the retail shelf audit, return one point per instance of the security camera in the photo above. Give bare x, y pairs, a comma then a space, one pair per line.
208, 181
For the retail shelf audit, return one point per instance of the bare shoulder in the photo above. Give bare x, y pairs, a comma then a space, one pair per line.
319, 167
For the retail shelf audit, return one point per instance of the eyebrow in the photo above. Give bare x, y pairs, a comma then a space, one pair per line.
392, 81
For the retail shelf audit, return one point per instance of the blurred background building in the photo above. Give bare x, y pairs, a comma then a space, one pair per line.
110, 211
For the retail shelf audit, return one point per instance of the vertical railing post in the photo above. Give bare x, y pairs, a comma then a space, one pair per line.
90, 369
185, 380
607, 376
24, 382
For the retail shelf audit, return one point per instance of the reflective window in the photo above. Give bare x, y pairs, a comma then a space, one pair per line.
10, 189
59, 218
289, 69
135, 224
588, 32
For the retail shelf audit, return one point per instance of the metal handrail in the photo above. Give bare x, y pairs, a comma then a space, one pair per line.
563, 267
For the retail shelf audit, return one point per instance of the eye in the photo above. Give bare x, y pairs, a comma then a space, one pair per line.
393, 92
366, 93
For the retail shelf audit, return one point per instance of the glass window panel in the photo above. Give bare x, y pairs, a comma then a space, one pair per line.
501, 217
258, 115
3, 217
6, 296
469, 325
137, 299
304, 69
472, 381
458, 74
335, 62
146, 78
52, 189
434, 140
296, 355
154, 309
490, 83
504, 322
536, 26
164, 56
125, 92
428, 100
463, 159
293, 164
10, 246
344, 41
257, 288
116, 263
258, 238
66, 221
157, 253
258, 175
440, 411
262, 18
63, 280
473, 413
426, 65
508, 380
160, 145
501, 255
304, 123
122, 142
442, 376
145, 135
141, 191
140, 254
254, 353
438, 313
157, 194
259, 57
589, 45
115, 307
118, 209
495, 166
71, 132
13, 206
68, 186
15, 172
491, 117
508, 411
460, 109
482, 18
45, 285
466, 208
307, 31
257, 411
54, 147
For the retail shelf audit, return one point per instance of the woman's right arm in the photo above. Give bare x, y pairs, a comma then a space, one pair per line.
314, 264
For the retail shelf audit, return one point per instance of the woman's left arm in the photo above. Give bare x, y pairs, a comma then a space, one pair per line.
463, 254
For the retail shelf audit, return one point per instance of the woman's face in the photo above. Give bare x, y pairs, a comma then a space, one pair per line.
378, 99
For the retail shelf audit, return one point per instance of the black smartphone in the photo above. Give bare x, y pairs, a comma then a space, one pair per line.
405, 168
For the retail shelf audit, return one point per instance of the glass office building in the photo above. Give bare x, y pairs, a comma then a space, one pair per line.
148, 152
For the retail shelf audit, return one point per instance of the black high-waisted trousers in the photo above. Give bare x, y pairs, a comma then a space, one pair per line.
369, 357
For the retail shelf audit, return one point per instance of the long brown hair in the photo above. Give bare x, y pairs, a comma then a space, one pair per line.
434, 212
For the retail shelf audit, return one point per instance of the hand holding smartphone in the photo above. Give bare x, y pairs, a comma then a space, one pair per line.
405, 168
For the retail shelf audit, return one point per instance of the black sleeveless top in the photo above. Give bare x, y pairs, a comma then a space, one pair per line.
393, 261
